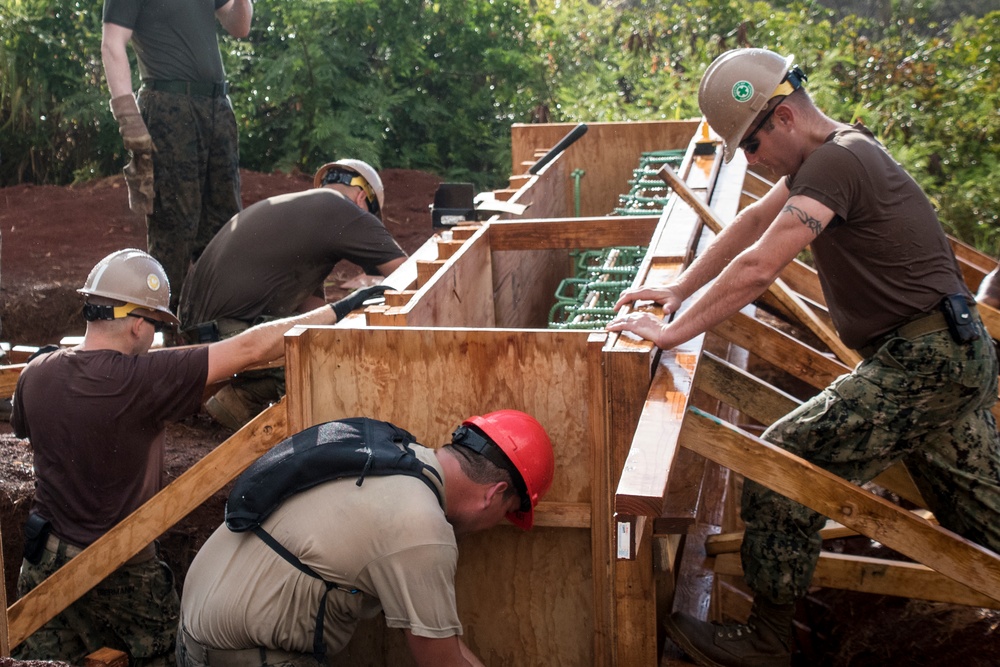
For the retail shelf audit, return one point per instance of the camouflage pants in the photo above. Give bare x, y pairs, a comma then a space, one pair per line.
925, 402
135, 609
197, 178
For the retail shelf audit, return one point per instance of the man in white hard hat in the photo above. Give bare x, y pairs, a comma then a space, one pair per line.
95, 415
924, 390
271, 260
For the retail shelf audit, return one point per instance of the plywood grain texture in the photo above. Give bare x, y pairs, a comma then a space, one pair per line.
525, 598
607, 153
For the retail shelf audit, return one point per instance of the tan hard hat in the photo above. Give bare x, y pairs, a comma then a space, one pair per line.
363, 169
736, 88
134, 277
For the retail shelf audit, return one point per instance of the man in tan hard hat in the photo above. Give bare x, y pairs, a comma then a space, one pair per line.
95, 415
924, 390
272, 259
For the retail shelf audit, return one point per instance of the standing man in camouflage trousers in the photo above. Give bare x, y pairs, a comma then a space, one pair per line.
181, 130
924, 390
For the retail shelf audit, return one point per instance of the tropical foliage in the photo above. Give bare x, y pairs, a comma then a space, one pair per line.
435, 85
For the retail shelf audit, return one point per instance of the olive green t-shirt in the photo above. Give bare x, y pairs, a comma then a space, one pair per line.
175, 40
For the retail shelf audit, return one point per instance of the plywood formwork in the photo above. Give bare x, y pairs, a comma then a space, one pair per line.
463, 333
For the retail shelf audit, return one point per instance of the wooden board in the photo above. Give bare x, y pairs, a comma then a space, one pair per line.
147, 523
607, 153
428, 381
870, 515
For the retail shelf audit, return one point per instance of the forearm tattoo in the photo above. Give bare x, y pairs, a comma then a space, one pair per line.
812, 223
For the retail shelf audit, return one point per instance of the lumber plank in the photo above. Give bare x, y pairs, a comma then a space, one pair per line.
781, 350
879, 576
766, 404
654, 445
460, 294
8, 378
724, 543
147, 523
804, 280
991, 319
572, 233
106, 657
843, 502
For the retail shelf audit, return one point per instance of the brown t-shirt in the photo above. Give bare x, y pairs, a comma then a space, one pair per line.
388, 538
883, 260
274, 254
96, 423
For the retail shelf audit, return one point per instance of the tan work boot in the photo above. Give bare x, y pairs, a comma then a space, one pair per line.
764, 641
231, 407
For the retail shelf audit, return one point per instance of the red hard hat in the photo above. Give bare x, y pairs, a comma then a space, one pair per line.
527, 446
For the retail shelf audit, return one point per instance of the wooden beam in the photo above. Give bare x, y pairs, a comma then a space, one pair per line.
781, 350
8, 379
654, 445
874, 517
572, 233
879, 577
148, 522
766, 404
726, 543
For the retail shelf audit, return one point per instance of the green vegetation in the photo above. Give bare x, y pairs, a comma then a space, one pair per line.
436, 85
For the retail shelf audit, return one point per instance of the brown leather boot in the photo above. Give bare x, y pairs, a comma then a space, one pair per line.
232, 407
764, 641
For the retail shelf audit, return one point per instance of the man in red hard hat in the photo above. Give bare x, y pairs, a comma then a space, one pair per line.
385, 545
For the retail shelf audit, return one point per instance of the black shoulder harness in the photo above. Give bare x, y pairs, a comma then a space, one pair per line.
323, 453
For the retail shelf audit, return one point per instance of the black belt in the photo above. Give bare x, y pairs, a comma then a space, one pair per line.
928, 324
200, 88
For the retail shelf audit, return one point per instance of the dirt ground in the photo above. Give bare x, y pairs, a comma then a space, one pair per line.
52, 236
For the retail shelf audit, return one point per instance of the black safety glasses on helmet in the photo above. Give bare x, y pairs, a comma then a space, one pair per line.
158, 325
335, 176
752, 143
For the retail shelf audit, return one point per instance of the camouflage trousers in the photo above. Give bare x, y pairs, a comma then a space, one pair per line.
925, 402
196, 176
135, 609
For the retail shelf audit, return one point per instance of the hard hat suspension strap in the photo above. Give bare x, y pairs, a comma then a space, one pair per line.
468, 437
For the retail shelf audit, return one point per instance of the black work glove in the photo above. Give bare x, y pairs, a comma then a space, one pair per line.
356, 298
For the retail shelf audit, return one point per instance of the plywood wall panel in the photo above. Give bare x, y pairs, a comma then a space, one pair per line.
607, 154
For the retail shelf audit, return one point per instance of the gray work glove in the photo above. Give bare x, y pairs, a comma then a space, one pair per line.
356, 298
135, 137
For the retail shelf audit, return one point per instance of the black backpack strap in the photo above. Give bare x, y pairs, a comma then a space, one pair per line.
319, 647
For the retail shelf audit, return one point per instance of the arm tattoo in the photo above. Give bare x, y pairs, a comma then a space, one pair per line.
812, 223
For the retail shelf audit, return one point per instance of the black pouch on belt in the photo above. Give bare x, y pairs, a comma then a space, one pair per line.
961, 323
36, 532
